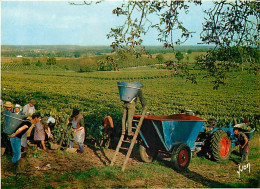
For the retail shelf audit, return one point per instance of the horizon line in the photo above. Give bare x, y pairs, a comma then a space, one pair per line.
104, 45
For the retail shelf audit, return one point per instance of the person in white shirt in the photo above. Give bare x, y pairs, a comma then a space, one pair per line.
29, 109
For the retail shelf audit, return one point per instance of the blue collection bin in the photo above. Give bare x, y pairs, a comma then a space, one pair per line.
165, 132
128, 91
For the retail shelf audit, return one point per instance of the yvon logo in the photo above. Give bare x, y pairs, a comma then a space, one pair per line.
242, 168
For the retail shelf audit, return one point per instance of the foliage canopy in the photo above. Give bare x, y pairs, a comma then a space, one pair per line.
231, 26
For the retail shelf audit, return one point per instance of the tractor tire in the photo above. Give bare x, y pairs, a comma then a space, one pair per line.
181, 156
146, 154
220, 146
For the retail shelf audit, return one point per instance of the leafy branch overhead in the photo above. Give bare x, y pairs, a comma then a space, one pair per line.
227, 23
232, 23
141, 16
231, 26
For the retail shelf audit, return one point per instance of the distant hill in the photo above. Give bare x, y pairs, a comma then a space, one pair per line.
182, 48
53, 50
78, 51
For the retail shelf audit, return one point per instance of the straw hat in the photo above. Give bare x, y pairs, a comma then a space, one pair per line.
8, 104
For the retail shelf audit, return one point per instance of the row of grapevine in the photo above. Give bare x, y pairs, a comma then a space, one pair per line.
97, 98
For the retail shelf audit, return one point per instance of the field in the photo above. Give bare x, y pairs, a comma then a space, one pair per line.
96, 95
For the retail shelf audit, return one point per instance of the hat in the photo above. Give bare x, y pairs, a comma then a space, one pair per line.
17, 106
51, 120
8, 104
33, 102
75, 112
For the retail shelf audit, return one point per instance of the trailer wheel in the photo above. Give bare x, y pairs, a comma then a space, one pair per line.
181, 156
220, 146
147, 155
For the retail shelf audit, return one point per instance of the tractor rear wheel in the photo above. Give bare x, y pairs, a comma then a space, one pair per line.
181, 156
146, 154
220, 146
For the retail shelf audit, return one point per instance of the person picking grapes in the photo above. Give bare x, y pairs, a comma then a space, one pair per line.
243, 144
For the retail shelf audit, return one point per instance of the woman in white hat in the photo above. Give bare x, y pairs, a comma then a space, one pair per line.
18, 109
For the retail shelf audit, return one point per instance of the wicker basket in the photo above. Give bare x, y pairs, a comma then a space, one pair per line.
71, 150
53, 146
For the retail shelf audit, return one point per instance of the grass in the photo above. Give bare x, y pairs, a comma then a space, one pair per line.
18, 181
198, 160
64, 185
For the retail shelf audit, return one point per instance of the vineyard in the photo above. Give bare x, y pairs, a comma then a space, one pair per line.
97, 92
96, 95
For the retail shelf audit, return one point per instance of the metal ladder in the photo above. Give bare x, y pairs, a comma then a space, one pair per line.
130, 148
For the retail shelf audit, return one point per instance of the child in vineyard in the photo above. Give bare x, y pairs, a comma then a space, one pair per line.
108, 130
39, 133
77, 122
108, 125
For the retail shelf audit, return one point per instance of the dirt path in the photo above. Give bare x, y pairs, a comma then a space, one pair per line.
37, 161
202, 172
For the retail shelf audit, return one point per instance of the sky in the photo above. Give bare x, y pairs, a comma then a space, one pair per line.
59, 23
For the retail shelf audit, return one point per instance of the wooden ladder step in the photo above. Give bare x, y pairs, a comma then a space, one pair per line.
132, 141
124, 148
